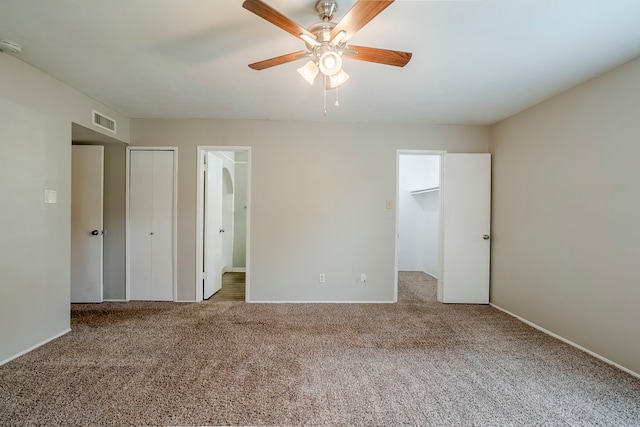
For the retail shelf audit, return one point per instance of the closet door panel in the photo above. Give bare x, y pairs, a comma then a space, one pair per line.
140, 223
151, 225
162, 225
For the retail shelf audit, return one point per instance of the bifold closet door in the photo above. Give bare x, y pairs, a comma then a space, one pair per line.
151, 196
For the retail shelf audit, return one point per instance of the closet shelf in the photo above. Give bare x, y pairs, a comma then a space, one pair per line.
425, 190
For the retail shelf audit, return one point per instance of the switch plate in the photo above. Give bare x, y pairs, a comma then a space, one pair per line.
50, 196
322, 278
363, 277
389, 204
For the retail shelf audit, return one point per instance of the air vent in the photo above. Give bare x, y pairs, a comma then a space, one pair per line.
104, 122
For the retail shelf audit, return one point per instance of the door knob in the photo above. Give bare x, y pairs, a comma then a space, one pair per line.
486, 237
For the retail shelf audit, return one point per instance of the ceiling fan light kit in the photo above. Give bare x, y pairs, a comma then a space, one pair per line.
10, 46
333, 82
330, 63
309, 71
326, 41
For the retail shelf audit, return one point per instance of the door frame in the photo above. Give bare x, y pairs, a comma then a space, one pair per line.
441, 154
174, 231
201, 149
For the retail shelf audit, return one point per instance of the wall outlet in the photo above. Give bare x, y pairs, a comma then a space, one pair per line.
363, 277
322, 278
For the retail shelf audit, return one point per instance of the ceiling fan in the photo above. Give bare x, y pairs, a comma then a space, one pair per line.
326, 41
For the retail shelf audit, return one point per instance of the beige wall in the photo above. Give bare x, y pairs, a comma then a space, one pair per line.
36, 112
318, 195
566, 215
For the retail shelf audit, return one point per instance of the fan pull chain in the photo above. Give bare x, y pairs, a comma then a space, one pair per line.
324, 92
337, 104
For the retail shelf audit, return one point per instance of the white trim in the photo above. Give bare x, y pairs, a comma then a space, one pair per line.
127, 245
175, 218
200, 169
114, 300
571, 343
201, 149
442, 154
22, 353
238, 270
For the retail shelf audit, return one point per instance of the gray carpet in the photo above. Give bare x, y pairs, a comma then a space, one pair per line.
416, 362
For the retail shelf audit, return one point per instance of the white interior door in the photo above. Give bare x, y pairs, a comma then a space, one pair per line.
213, 226
162, 227
87, 191
140, 224
151, 198
467, 221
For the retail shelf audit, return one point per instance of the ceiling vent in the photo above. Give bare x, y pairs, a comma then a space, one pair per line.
104, 122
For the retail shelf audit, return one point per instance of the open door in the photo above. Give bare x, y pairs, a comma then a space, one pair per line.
212, 226
467, 222
87, 191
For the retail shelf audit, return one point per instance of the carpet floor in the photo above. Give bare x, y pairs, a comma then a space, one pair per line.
416, 362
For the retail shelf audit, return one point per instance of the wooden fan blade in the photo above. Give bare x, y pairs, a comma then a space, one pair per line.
381, 56
278, 60
358, 16
268, 13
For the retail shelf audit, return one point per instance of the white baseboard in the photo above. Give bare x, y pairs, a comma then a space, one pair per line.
114, 300
238, 270
571, 343
22, 353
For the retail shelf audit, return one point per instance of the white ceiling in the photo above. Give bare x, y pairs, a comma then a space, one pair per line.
474, 62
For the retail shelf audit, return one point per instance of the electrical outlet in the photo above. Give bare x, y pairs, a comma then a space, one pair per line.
322, 278
363, 277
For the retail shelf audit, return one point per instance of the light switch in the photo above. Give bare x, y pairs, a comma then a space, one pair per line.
50, 196
389, 204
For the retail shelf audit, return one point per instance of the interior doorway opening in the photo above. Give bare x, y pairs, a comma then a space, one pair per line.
222, 219
463, 222
419, 219
112, 231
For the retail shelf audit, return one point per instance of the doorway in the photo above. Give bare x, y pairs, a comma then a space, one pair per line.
112, 231
462, 211
222, 225
419, 219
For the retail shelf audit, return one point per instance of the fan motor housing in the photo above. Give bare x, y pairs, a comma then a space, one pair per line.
322, 30
326, 9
